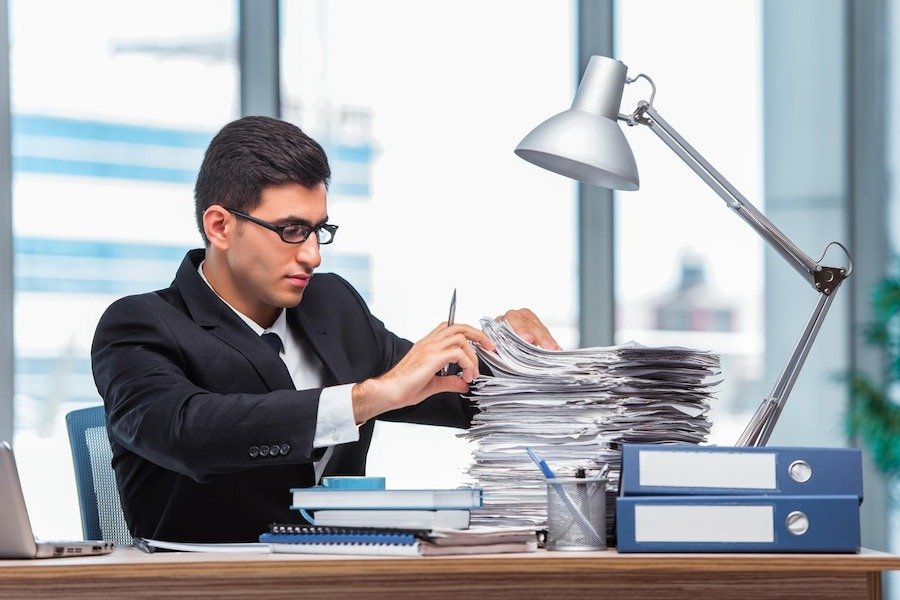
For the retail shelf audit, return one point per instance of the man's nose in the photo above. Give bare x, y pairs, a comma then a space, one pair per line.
308, 252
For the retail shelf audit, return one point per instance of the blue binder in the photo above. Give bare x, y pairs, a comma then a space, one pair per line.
737, 524
660, 469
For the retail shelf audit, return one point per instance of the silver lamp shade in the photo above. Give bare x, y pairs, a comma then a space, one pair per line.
585, 142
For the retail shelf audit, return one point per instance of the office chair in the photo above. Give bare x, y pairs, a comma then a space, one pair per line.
98, 496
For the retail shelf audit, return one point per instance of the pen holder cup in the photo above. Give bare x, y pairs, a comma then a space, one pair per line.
576, 513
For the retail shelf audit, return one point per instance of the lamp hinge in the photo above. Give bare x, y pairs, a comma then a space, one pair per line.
827, 279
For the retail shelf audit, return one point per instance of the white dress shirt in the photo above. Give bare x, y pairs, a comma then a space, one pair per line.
334, 421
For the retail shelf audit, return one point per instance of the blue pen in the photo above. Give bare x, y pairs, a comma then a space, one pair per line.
541, 463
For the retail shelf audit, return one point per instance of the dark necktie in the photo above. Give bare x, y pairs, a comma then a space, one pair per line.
272, 341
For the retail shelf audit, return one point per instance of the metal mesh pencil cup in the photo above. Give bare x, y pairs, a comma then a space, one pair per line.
576, 513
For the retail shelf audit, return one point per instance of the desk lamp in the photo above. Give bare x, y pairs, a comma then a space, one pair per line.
587, 144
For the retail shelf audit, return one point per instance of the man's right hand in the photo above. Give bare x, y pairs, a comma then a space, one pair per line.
413, 379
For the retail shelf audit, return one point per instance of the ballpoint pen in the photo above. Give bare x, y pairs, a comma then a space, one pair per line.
447, 370
541, 463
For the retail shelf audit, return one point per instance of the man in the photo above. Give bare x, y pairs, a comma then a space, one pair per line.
249, 375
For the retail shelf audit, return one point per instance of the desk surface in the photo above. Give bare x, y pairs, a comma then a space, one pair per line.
128, 572
610, 560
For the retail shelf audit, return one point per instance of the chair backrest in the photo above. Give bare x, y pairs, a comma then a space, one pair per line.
98, 496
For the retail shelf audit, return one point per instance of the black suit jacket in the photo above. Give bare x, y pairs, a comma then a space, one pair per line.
192, 393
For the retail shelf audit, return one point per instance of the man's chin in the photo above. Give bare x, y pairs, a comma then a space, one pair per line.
291, 301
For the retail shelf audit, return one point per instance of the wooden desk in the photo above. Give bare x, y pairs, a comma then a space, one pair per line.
538, 576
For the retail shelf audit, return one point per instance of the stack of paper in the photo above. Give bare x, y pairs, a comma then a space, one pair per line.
575, 409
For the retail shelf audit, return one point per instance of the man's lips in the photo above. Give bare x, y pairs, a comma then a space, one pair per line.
299, 280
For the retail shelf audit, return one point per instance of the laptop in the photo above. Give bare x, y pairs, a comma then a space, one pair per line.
16, 538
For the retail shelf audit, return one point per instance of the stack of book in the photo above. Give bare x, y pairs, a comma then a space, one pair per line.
364, 502
357, 515
718, 499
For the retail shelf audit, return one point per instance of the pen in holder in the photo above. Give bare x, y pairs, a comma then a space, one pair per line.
576, 509
576, 513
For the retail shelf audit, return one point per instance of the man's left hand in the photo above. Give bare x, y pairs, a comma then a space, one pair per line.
529, 327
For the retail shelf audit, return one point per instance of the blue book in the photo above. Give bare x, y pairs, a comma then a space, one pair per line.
325, 535
660, 469
737, 524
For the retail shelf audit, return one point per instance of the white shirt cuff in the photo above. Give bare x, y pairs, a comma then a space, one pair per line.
335, 423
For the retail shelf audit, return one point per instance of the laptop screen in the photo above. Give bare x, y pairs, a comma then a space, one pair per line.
16, 536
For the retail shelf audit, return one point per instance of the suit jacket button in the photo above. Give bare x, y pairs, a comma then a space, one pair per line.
263, 450
274, 449
254, 451
285, 448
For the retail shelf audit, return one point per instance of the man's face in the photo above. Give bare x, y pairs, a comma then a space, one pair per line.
268, 272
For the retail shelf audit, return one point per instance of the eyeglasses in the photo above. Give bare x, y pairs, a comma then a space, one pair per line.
295, 233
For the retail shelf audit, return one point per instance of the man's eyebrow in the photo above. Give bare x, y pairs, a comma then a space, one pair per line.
292, 220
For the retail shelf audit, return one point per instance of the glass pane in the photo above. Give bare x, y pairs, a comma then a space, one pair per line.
892, 93
688, 271
113, 105
419, 105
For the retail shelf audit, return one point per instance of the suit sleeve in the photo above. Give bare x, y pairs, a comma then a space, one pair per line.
446, 409
154, 409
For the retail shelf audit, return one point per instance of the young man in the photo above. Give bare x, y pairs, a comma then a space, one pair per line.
249, 375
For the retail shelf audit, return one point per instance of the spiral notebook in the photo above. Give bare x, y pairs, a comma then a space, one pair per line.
299, 539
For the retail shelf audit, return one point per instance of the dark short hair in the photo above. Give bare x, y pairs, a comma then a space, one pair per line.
250, 154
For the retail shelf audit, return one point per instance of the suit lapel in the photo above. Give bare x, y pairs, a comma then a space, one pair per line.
326, 345
269, 366
212, 314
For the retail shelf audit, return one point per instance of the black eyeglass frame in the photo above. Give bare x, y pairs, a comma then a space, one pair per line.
279, 229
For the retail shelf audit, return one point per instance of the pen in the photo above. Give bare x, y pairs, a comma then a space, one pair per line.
581, 473
447, 368
541, 463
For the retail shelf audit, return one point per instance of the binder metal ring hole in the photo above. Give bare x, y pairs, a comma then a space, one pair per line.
800, 471
797, 522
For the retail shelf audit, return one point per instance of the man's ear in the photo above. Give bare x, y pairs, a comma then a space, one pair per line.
219, 225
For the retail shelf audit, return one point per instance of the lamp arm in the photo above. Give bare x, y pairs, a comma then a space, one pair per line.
825, 280
802, 263
760, 427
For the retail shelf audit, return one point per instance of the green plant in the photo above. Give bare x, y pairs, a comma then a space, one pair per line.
874, 417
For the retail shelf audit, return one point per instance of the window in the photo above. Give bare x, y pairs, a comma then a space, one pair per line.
893, 202
113, 105
689, 272
419, 106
